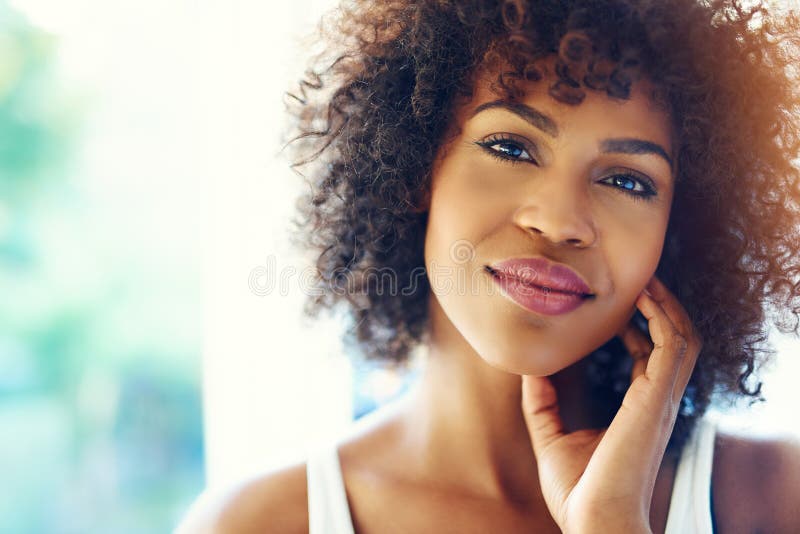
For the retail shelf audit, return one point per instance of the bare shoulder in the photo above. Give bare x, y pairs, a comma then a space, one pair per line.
277, 502
270, 503
756, 483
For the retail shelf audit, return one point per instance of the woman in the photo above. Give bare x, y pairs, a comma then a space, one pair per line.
586, 210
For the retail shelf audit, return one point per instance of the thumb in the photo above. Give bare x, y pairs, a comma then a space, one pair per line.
540, 410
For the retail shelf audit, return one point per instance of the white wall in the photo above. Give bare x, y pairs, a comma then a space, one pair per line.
271, 385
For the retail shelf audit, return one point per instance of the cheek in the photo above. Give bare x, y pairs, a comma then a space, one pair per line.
464, 209
633, 253
468, 213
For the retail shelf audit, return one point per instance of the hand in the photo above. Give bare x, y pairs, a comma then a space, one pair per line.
604, 479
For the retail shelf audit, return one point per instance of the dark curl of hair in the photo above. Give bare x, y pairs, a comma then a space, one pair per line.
373, 112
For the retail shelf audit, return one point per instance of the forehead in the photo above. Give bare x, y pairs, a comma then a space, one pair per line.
598, 114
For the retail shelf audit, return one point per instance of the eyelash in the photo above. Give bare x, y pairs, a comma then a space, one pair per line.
505, 139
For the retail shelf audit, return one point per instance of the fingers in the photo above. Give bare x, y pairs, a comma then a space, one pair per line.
685, 326
647, 414
672, 329
638, 346
672, 307
663, 363
540, 409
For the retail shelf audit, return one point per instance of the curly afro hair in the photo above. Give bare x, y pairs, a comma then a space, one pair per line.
376, 105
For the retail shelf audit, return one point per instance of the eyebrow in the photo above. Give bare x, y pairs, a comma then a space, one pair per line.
544, 123
634, 146
530, 115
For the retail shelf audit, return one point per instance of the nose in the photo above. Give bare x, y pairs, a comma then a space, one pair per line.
557, 210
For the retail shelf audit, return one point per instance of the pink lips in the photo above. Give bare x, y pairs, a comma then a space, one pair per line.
540, 285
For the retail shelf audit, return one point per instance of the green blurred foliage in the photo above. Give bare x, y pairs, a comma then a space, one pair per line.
99, 412
35, 123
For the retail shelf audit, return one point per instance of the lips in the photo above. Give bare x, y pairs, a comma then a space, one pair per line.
542, 273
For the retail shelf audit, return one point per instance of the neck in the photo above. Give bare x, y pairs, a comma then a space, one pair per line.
466, 413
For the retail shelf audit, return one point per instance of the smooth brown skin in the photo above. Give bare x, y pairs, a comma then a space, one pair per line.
459, 454
589, 477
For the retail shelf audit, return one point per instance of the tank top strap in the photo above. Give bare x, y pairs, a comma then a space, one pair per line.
328, 510
690, 508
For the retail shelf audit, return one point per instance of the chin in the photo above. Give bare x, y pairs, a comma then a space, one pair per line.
542, 362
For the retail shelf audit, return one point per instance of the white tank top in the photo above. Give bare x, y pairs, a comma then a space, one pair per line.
689, 506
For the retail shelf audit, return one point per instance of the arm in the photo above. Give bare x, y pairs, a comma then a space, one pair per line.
778, 462
756, 483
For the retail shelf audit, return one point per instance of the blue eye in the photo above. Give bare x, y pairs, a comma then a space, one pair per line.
513, 149
632, 185
506, 147
509, 149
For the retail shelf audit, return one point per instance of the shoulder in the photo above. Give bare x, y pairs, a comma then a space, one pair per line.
277, 502
270, 503
756, 482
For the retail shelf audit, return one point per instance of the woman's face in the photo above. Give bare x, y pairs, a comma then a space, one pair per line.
588, 187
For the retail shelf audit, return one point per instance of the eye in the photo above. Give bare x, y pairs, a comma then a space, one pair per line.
508, 147
640, 188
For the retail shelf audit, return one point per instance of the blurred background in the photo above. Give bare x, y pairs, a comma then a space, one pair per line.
149, 335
